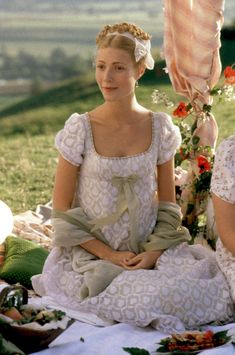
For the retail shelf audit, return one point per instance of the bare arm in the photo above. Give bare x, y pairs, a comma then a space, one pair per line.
166, 181
225, 222
65, 183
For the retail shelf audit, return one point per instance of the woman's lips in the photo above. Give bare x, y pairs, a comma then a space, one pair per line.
109, 89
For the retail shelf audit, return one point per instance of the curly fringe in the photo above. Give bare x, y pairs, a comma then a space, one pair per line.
121, 28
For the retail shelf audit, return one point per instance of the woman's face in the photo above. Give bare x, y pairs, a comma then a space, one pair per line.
115, 74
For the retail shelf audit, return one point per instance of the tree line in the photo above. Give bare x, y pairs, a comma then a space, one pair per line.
60, 66
57, 66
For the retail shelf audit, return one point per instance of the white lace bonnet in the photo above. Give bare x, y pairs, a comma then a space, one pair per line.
142, 48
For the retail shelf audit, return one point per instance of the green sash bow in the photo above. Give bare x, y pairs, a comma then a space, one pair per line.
127, 200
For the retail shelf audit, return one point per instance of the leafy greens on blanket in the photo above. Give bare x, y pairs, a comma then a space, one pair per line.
190, 342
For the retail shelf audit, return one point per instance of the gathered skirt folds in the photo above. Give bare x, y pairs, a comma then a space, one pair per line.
185, 290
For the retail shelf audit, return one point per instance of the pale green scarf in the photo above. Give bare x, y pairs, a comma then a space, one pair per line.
168, 231
72, 228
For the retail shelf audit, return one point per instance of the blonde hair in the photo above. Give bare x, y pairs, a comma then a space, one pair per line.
105, 39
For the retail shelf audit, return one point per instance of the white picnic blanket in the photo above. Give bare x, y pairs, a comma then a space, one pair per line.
91, 335
81, 338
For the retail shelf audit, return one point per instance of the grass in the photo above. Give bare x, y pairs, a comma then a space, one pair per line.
8, 100
27, 171
27, 130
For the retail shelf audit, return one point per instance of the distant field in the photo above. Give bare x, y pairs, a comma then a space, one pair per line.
39, 27
40, 33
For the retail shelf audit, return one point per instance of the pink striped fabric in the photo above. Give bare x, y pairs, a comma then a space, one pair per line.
191, 47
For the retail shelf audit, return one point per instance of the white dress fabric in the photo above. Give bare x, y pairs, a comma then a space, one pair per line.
185, 289
96, 194
223, 185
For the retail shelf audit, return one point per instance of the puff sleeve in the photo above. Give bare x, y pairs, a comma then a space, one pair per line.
223, 176
70, 141
170, 138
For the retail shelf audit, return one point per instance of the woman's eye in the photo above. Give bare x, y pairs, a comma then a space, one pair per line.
100, 66
119, 68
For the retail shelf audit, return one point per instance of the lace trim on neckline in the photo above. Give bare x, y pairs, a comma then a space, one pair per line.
122, 157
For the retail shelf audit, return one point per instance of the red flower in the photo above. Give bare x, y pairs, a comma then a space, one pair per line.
229, 74
181, 110
203, 164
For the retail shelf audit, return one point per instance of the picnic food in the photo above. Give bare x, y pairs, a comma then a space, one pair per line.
20, 321
192, 341
13, 300
26, 315
12, 313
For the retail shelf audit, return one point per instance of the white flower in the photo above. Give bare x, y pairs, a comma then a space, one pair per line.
229, 93
161, 97
165, 70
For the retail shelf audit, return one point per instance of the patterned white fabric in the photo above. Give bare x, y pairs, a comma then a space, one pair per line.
223, 178
182, 292
186, 288
96, 193
223, 185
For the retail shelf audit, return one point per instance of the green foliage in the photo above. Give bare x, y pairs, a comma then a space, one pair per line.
203, 184
222, 336
227, 52
228, 44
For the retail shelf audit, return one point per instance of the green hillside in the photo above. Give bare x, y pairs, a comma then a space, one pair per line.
27, 130
46, 112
